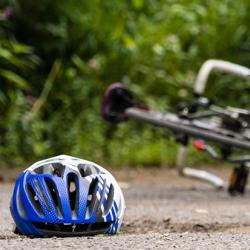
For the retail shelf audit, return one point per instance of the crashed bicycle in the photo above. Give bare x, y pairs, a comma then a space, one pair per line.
203, 122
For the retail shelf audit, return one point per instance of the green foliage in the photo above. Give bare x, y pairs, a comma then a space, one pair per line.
57, 58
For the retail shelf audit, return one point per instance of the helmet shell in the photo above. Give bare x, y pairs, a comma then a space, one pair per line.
66, 196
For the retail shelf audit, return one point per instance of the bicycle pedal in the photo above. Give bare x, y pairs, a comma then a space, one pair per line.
238, 181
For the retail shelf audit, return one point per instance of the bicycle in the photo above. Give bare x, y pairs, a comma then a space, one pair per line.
227, 127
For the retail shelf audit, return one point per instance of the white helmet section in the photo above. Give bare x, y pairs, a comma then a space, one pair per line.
73, 162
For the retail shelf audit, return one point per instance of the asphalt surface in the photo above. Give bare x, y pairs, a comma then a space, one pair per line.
164, 211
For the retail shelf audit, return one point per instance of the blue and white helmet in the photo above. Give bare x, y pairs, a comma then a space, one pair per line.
66, 196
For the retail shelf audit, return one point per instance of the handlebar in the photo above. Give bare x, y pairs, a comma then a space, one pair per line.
219, 65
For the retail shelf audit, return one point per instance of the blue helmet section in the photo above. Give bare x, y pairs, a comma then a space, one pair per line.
41, 202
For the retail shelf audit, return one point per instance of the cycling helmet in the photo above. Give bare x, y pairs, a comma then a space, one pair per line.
66, 196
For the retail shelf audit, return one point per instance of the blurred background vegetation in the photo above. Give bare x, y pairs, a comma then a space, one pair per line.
58, 57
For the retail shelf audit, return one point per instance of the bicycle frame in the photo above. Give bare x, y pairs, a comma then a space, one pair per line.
200, 85
119, 104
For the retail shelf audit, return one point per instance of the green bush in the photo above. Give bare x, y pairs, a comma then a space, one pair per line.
58, 57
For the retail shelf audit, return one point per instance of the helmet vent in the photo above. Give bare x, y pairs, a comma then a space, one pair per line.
34, 199
52, 168
58, 169
109, 199
72, 191
82, 172
86, 169
92, 195
45, 169
54, 195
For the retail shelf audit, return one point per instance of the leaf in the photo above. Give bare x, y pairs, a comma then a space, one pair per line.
10, 58
6, 54
14, 78
138, 4
20, 48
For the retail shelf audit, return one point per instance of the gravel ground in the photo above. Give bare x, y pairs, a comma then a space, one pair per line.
164, 211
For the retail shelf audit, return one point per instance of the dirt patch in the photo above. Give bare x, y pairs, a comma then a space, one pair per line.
145, 226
